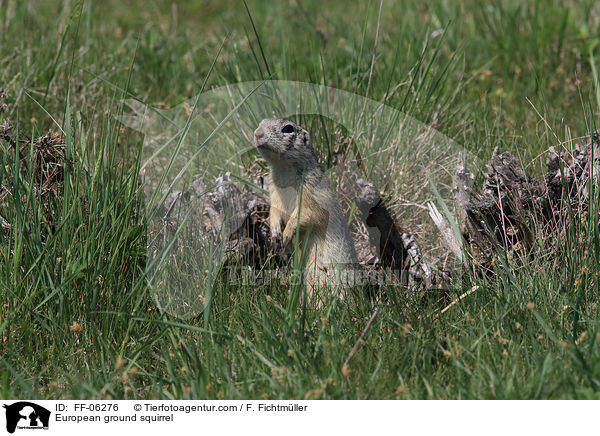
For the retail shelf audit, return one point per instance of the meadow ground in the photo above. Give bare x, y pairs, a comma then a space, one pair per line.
77, 319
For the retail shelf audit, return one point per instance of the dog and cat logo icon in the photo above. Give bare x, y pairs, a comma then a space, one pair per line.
26, 415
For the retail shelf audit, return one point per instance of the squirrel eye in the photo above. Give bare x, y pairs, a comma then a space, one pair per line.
288, 128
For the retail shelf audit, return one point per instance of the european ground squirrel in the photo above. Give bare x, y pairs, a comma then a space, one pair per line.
302, 201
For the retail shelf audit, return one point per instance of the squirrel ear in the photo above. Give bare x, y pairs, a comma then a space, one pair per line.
306, 137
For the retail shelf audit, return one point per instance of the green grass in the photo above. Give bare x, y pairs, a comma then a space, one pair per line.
472, 67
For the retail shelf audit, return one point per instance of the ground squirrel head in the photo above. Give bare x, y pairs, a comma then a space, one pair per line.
282, 143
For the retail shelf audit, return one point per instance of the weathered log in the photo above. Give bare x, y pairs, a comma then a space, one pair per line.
232, 214
397, 250
511, 207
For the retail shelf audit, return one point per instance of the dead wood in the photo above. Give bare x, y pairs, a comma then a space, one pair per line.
511, 207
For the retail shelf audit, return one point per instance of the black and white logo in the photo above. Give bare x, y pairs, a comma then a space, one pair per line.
26, 415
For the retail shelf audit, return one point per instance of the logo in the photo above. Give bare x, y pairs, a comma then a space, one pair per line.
26, 415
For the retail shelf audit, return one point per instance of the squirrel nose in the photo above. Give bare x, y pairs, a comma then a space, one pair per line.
258, 134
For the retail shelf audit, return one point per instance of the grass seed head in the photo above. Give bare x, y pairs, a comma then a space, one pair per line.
120, 362
346, 371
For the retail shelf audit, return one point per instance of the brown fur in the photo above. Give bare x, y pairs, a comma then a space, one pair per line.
302, 201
